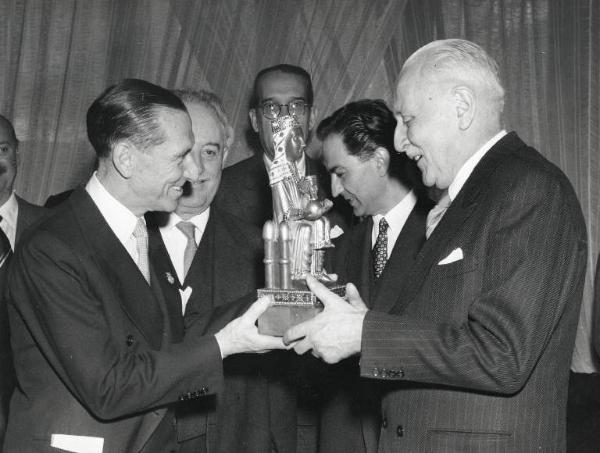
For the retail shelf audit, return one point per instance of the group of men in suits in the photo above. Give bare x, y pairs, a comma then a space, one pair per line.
129, 306
471, 350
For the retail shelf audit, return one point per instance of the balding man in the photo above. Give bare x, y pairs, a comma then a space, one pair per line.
474, 353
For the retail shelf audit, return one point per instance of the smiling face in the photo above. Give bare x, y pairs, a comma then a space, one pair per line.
160, 171
360, 182
427, 129
279, 88
8, 161
208, 153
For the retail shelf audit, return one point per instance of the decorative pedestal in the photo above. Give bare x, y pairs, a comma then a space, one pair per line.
292, 306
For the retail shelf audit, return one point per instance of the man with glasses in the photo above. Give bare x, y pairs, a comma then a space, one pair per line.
281, 90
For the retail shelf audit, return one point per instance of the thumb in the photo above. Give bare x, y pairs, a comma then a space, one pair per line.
258, 308
354, 298
320, 290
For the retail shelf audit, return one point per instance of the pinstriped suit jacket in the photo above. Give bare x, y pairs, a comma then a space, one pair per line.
476, 352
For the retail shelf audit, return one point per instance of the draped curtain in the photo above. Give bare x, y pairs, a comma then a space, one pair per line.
58, 55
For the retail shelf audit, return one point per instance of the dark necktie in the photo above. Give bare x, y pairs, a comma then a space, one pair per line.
380, 249
189, 231
5, 248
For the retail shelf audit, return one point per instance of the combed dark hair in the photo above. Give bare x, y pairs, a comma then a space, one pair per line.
128, 110
11, 130
286, 69
364, 126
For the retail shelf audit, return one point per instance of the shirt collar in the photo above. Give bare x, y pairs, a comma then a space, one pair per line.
396, 217
465, 171
300, 164
9, 210
199, 220
120, 219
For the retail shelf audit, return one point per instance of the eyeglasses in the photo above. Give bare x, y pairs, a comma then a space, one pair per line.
271, 110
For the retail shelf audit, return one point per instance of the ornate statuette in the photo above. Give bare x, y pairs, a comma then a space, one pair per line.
297, 237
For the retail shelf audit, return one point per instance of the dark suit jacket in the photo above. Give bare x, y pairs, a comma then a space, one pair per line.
92, 340
476, 352
245, 192
227, 266
350, 416
27, 215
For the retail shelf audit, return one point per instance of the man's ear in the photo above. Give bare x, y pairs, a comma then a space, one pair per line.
253, 120
123, 158
382, 160
465, 106
313, 114
227, 145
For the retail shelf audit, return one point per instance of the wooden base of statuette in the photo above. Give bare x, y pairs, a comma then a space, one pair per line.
291, 307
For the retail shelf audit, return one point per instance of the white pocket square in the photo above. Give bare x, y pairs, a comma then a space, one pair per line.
335, 232
77, 444
455, 255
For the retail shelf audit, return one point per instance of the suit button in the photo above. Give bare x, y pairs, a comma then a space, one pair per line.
129, 340
384, 423
399, 431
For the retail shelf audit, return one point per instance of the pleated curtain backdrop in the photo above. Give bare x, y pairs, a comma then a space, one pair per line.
57, 56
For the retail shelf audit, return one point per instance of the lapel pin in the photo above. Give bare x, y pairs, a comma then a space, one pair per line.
170, 278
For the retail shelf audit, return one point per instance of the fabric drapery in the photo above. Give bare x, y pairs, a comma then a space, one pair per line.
58, 55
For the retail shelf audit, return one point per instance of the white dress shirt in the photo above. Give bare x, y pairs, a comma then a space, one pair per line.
396, 218
119, 218
9, 212
176, 242
468, 167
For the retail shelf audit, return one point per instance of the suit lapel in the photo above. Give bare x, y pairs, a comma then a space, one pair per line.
358, 260
461, 209
134, 294
200, 274
166, 278
27, 215
388, 291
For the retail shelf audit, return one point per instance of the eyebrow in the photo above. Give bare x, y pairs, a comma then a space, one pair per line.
218, 145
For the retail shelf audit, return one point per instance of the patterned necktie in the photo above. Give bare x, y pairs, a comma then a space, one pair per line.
380, 249
436, 214
189, 230
5, 248
141, 243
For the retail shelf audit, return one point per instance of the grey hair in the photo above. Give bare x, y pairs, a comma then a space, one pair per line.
213, 103
463, 60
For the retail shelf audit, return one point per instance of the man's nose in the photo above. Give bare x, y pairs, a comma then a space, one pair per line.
401, 142
192, 168
336, 186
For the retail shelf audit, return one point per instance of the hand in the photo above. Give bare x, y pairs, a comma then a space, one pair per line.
336, 332
241, 334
